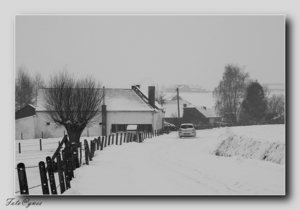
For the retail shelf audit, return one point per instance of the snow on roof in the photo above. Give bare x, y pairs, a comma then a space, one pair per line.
115, 100
124, 100
145, 93
207, 112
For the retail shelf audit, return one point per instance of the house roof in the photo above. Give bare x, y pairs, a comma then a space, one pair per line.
125, 100
26, 111
115, 100
207, 112
145, 96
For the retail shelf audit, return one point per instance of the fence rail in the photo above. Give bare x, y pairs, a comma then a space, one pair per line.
70, 156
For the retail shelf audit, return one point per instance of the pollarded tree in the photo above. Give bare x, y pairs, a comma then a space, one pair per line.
230, 92
72, 103
255, 103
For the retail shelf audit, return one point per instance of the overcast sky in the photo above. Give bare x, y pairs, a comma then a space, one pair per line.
136, 49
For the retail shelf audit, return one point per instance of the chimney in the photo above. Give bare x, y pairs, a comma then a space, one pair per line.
138, 86
151, 95
204, 107
184, 105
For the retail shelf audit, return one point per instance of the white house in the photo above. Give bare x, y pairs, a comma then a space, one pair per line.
123, 107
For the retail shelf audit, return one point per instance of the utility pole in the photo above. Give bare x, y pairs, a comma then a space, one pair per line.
178, 105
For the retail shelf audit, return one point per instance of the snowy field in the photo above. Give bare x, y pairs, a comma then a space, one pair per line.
168, 165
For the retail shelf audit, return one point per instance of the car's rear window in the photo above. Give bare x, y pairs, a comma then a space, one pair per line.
186, 126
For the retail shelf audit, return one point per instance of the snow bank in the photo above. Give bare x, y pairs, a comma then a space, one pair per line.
264, 142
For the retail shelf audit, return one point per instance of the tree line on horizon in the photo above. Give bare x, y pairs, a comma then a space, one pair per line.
26, 87
242, 101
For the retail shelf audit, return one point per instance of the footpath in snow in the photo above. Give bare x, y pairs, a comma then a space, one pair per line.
168, 165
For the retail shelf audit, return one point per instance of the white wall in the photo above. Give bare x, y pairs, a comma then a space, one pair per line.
114, 117
26, 126
94, 129
53, 131
158, 119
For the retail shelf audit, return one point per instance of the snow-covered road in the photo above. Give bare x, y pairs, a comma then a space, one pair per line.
167, 165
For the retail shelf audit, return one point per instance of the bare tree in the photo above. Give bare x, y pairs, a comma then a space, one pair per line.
38, 84
160, 94
24, 88
276, 108
267, 91
230, 92
72, 103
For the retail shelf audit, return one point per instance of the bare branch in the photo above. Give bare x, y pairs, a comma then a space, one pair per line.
71, 102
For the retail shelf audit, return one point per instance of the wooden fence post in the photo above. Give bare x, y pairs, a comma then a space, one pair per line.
60, 174
98, 143
80, 153
124, 140
40, 144
109, 140
117, 136
86, 148
93, 149
121, 134
19, 147
102, 142
67, 178
134, 137
51, 176
43, 175
112, 139
75, 161
127, 137
22, 179
70, 164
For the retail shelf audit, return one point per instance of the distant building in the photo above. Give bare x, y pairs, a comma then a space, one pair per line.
199, 115
171, 110
188, 89
123, 107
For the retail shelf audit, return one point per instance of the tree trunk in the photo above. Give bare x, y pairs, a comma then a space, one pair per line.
74, 134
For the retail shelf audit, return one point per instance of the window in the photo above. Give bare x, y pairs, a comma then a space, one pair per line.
186, 126
122, 127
